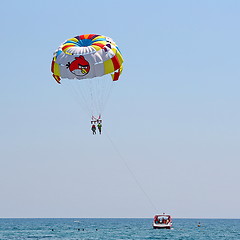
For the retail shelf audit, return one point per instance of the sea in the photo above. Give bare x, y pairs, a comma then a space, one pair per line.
117, 228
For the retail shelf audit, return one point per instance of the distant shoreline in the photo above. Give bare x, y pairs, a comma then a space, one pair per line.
113, 218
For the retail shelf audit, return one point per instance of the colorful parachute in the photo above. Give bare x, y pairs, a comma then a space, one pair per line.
86, 58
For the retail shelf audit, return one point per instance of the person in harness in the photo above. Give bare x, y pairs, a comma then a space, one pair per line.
93, 129
99, 128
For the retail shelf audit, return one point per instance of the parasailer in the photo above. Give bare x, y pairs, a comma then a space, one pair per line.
89, 59
93, 129
99, 128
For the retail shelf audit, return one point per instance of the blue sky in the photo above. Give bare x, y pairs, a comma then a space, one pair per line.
173, 116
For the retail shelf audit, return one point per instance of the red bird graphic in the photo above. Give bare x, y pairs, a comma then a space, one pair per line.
80, 66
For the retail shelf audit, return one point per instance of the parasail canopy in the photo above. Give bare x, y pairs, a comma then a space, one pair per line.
87, 56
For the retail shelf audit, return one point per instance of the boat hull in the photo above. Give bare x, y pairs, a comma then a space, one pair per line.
162, 226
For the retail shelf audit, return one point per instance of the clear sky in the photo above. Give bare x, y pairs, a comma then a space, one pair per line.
172, 120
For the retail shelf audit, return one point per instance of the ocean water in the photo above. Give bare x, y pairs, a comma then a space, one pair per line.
114, 228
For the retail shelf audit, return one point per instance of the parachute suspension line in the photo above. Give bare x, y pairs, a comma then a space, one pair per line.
83, 93
80, 101
80, 92
92, 99
131, 172
108, 93
99, 90
100, 85
95, 97
98, 97
91, 95
88, 89
80, 85
102, 88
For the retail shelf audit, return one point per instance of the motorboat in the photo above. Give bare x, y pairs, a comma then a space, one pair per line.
162, 221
